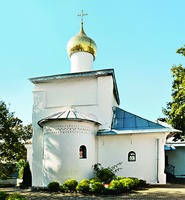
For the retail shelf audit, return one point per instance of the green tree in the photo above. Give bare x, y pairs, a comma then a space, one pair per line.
181, 51
12, 139
175, 110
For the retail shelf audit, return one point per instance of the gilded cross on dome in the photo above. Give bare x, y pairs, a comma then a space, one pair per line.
82, 15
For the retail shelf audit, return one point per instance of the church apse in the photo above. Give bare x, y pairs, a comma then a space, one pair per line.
61, 142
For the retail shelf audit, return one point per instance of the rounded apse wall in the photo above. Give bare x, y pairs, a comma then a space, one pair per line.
63, 142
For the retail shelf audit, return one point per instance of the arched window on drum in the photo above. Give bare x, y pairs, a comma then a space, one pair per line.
82, 152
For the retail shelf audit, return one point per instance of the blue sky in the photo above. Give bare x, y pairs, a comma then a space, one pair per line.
138, 38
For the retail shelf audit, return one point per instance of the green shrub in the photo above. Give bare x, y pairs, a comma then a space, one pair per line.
136, 183
109, 191
97, 187
127, 183
69, 186
93, 180
21, 171
15, 196
117, 186
119, 177
83, 186
3, 195
20, 166
106, 175
142, 183
53, 186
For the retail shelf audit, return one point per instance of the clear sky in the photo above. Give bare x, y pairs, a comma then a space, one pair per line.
138, 38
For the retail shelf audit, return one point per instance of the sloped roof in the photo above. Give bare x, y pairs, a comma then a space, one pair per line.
94, 73
124, 122
67, 114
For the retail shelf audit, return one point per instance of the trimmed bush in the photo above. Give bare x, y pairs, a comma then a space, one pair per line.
119, 177
83, 186
3, 195
69, 186
97, 188
142, 183
136, 183
109, 191
93, 180
117, 186
127, 183
15, 196
53, 186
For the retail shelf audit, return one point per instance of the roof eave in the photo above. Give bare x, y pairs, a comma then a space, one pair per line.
97, 73
41, 122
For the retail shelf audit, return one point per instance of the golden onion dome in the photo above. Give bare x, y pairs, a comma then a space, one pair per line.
81, 43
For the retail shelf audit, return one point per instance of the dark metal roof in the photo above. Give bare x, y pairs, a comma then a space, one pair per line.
97, 73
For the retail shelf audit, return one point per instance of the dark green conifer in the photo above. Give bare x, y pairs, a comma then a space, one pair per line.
27, 179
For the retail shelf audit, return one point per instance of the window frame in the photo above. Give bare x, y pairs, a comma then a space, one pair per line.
131, 156
83, 152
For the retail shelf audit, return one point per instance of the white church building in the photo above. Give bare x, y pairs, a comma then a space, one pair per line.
77, 123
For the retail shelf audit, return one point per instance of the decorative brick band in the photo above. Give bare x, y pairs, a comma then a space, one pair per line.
70, 128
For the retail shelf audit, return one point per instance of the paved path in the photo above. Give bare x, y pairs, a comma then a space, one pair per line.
154, 192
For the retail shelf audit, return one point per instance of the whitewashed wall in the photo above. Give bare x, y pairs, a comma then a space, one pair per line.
81, 61
114, 149
29, 154
92, 96
62, 141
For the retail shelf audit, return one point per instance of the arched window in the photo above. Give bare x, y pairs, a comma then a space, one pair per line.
83, 152
131, 156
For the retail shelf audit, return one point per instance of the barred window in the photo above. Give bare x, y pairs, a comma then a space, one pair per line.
131, 156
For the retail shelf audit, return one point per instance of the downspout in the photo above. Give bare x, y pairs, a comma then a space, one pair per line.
157, 161
97, 149
43, 157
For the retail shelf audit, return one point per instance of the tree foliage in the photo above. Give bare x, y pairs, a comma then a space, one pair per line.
13, 136
181, 51
175, 110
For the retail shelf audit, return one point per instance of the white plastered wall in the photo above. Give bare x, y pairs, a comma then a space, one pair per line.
148, 166
62, 141
29, 152
92, 96
81, 61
